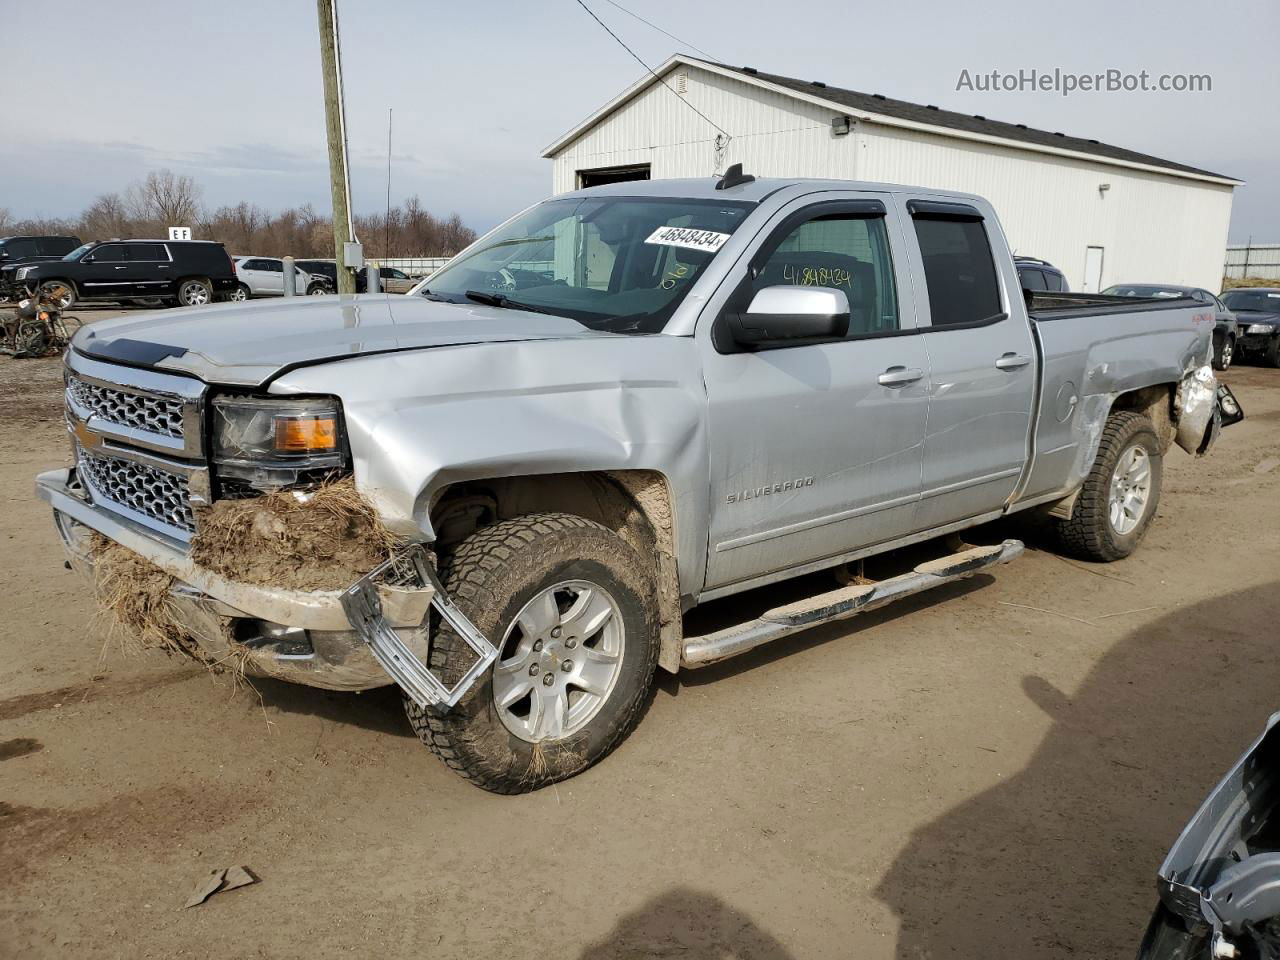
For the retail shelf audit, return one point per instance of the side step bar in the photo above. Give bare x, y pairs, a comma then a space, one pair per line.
841, 604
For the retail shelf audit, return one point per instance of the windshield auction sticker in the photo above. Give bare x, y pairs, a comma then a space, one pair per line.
686, 237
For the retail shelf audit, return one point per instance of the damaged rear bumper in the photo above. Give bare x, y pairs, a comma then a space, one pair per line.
301, 636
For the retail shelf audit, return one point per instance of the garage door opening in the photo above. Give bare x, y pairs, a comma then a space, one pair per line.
603, 175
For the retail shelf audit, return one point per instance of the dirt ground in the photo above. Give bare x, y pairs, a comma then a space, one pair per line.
993, 770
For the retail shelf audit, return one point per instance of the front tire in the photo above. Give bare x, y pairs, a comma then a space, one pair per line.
194, 293
574, 615
240, 294
1273, 351
1121, 493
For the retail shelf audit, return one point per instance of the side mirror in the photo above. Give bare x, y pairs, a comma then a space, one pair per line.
88, 259
788, 315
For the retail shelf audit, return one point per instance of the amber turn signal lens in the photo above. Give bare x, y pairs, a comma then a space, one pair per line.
306, 434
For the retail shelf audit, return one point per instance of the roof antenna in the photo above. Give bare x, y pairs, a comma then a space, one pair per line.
734, 177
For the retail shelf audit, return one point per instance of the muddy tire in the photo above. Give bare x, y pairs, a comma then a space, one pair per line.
1120, 495
574, 614
1273, 351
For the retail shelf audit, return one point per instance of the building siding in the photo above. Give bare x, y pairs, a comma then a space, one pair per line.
1151, 226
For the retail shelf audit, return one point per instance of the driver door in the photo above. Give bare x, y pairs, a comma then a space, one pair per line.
816, 448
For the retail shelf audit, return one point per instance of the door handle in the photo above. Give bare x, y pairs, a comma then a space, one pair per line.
120, 268
899, 376
1012, 361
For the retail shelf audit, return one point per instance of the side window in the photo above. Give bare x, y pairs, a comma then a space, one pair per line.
1054, 282
20, 248
57, 246
1032, 279
271, 266
959, 271
110, 253
842, 251
147, 253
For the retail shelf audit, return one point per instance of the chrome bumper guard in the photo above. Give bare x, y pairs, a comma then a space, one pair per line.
364, 609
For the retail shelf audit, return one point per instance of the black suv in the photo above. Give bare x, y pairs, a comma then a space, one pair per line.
1040, 275
191, 272
15, 251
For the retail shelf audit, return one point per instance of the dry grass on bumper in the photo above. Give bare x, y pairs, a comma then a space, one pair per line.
323, 539
135, 593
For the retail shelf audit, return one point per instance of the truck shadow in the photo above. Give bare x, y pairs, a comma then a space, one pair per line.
1060, 858
692, 924
380, 710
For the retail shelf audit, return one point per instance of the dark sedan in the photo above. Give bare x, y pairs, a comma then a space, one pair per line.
1258, 311
1225, 335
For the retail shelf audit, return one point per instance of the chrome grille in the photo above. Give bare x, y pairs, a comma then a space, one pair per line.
154, 493
153, 414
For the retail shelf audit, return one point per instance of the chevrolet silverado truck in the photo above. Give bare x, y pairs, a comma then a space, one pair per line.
620, 404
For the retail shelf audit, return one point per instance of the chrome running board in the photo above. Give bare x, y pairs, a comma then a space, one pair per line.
841, 604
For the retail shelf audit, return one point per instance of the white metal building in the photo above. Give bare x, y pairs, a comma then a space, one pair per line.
1101, 214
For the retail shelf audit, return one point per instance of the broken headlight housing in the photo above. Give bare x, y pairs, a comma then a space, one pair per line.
272, 442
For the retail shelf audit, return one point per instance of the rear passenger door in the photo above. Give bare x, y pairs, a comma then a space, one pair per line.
982, 356
815, 448
150, 270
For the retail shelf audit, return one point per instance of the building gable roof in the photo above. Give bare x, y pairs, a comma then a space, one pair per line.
878, 108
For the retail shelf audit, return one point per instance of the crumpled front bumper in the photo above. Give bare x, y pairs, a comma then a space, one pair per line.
333, 653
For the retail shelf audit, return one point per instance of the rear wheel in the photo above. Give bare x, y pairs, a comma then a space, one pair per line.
194, 293
60, 292
1119, 497
574, 616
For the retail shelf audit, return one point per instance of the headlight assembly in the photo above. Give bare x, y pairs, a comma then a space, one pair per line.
271, 441
1260, 328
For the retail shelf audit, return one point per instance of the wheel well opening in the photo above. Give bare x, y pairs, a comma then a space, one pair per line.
634, 504
1155, 403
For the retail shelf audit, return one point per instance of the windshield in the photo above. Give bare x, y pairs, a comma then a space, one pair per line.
1265, 301
619, 264
75, 254
1144, 290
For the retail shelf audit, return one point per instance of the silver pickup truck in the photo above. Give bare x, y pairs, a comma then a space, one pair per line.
617, 405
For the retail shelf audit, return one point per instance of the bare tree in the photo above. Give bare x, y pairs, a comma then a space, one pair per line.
105, 218
164, 198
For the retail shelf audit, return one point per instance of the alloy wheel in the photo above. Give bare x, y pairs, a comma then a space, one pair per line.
1130, 490
559, 661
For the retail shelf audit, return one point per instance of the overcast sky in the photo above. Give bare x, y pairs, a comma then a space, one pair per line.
229, 92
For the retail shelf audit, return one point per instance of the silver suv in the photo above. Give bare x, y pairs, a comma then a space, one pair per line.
264, 277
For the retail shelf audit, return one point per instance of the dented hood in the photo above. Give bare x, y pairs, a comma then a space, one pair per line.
239, 343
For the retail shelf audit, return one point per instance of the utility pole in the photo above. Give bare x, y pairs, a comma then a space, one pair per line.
337, 135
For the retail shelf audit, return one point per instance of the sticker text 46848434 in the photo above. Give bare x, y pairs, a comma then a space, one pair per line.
708, 240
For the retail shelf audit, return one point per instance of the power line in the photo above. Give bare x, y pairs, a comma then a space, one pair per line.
637, 59
683, 43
